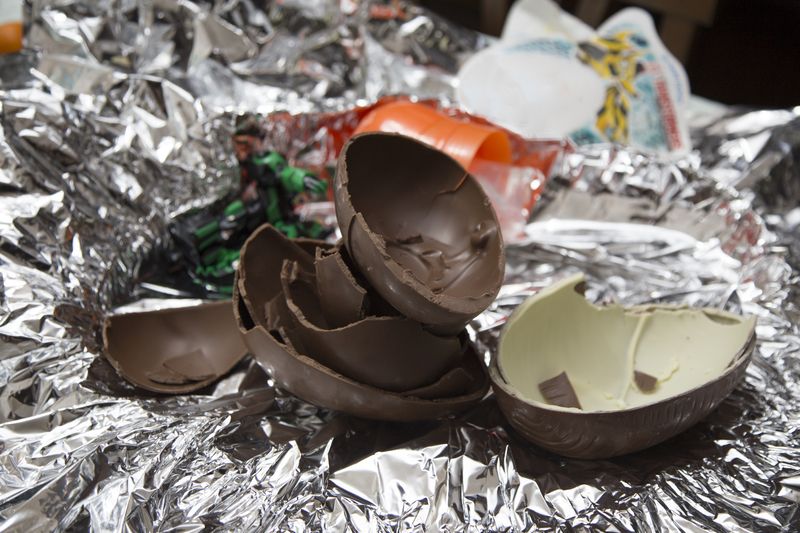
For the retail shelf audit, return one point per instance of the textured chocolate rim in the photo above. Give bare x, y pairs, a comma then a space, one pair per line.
462, 309
604, 434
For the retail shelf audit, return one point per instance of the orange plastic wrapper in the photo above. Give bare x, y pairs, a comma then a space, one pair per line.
513, 185
462, 139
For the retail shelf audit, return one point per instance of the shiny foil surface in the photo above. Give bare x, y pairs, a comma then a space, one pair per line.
118, 119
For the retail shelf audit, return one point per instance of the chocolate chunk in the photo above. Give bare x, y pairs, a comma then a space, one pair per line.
580, 288
645, 382
559, 391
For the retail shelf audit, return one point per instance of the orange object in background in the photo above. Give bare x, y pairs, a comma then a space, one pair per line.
511, 170
513, 183
10, 37
464, 141
10, 26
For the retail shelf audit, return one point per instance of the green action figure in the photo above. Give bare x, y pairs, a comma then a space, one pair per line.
269, 191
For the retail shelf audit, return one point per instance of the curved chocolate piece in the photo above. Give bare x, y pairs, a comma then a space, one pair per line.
391, 353
574, 413
317, 384
174, 350
260, 266
342, 299
558, 391
600, 435
420, 229
645, 382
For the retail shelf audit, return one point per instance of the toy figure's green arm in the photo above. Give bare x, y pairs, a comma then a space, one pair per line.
294, 180
298, 180
274, 160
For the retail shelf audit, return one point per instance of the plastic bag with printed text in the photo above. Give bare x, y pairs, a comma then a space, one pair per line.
550, 75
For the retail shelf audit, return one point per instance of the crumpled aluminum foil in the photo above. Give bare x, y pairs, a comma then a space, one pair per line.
124, 123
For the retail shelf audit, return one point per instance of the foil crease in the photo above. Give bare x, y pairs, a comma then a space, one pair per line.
118, 119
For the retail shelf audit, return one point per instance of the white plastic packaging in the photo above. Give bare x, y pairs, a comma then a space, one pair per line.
552, 76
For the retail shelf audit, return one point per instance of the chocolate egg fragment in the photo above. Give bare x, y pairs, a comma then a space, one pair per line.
259, 270
341, 298
419, 228
595, 382
176, 350
279, 313
388, 352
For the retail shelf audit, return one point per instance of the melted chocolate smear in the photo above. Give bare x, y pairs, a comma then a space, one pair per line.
645, 382
559, 391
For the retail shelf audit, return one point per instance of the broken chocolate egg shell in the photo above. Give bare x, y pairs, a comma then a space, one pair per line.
391, 353
261, 261
419, 228
341, 298
308, 379
595, 382
176, 350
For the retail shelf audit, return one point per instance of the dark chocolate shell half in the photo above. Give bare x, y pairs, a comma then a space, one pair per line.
419, 228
